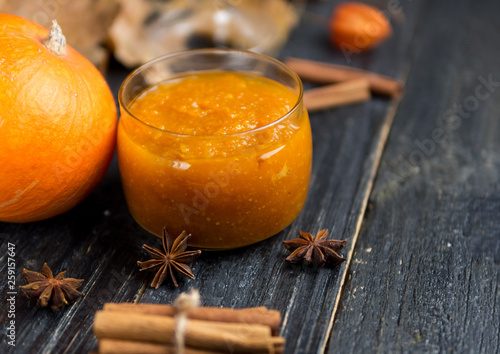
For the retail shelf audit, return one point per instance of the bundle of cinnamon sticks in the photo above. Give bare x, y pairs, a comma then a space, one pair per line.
344, 85
150, 328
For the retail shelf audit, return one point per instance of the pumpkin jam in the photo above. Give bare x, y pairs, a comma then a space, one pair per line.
225, 156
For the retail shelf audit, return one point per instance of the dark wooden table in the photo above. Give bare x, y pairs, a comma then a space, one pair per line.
413, 185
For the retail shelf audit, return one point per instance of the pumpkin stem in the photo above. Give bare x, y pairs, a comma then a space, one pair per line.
55, 41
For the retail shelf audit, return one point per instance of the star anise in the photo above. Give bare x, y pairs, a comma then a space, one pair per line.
307, 247
173, 257
58, 291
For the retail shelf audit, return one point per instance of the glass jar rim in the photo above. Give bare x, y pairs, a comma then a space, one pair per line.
248, 53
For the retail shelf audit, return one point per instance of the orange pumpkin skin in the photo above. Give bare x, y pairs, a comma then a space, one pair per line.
57, 125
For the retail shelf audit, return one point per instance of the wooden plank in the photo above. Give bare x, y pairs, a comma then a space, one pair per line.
98, 240
425, 275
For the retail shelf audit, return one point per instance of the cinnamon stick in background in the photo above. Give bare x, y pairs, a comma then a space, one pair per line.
326, 73
254, 315
329, 96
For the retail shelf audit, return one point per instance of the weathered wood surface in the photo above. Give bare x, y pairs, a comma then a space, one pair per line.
425, 274
444, 296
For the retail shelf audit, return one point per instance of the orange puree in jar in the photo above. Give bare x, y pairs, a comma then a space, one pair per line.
225, 156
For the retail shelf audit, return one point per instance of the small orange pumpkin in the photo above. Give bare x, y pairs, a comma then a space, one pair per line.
57, 122
357, 27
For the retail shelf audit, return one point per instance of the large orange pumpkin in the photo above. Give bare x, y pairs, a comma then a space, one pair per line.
57, 123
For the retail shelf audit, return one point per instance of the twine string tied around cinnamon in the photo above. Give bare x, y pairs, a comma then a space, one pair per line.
182, 305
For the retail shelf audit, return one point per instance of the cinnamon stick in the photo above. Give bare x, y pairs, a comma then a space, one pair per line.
204, 335
116, 346
255, 315
329, 96
326, 73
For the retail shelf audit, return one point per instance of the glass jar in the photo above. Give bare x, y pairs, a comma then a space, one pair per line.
227, 190
144, 30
